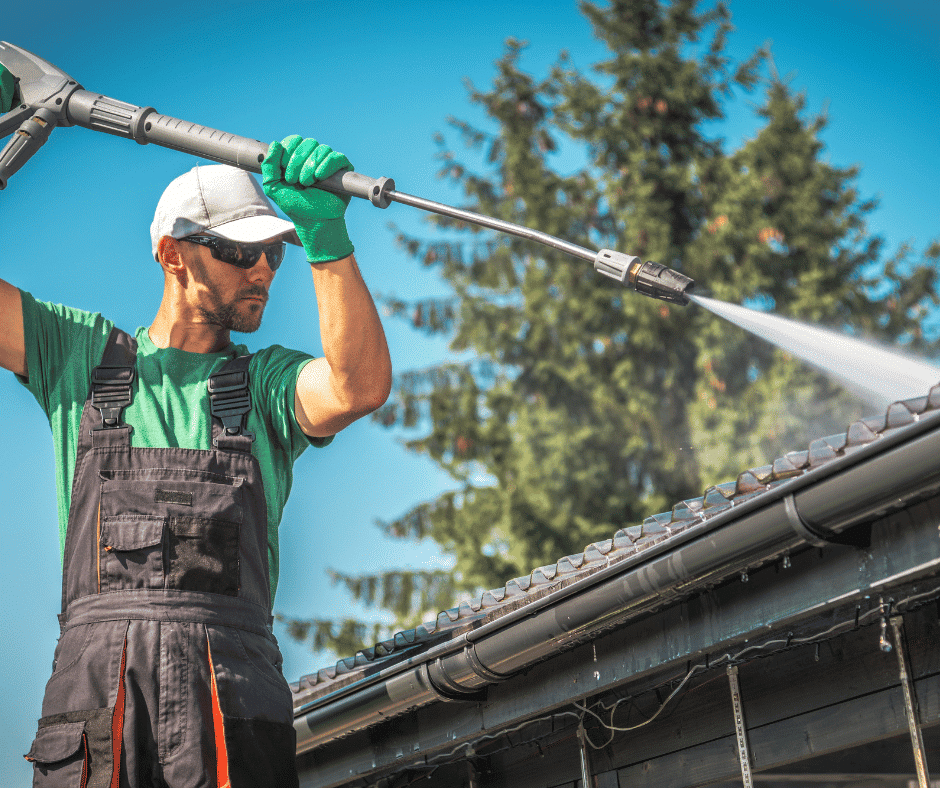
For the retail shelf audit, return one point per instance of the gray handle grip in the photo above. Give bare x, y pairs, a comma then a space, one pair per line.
145, 125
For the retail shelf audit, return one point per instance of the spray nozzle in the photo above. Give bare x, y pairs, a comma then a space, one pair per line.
652, 279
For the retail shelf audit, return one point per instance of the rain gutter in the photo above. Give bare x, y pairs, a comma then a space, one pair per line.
812, 509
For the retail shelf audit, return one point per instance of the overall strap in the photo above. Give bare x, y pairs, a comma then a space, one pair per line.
112, 385
229, 404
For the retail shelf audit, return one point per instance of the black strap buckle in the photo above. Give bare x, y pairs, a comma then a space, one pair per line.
230, 401
111, 392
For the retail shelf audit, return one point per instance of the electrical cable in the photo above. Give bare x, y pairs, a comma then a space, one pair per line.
614, 729
772, 646
505, 732
471, 746
783, 645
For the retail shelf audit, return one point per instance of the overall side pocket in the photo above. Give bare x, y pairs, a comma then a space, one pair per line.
60, 756
73, 750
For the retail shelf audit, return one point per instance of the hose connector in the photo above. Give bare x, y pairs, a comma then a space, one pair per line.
652, 279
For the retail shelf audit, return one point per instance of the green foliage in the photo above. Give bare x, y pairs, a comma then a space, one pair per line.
589, 407
343, 637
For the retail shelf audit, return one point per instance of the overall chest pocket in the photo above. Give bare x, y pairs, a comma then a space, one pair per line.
131, 552
168, 528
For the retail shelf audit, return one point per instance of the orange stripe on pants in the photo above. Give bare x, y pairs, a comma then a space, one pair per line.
117, 724
221, 753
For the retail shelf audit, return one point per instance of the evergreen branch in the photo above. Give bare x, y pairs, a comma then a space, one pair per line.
344, 637
428, 315
403, 592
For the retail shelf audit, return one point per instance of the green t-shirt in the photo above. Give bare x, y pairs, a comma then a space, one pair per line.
63, 345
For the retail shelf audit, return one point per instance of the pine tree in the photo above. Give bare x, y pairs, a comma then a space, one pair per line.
586, 407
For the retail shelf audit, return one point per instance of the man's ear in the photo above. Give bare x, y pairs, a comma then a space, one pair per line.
170, 255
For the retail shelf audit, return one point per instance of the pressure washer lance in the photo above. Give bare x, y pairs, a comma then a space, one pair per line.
50, 98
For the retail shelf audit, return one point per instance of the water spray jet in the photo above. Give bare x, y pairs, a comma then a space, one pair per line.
876, 374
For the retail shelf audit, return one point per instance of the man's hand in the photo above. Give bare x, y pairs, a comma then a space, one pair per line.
7, 90
290, 166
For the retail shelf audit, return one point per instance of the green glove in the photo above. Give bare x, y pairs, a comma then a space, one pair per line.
317, 214
7, 90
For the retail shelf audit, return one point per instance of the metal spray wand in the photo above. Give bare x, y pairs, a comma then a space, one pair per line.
50, 98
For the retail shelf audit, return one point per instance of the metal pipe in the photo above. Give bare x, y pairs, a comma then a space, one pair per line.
379, 701
910, 703
509, 228
740, 731
583, 752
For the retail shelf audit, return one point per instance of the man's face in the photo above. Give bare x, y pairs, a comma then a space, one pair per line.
224, 295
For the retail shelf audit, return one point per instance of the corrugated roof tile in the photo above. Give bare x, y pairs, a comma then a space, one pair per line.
799, 459
544, 574
426, 630
899, 415
518, 586
494, 597
326, 674
654, 528
820, 452
632, 533
601, 549
933, 397
713, 497
861, 433
785, 469
386, 647
748, 484
683, 511
406, 638
726, 489
836, 442
648, 541
622, 539
763, 473
570, 563
345, 665
467, 608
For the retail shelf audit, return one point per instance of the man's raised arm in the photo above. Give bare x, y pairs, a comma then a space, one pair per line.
355, 374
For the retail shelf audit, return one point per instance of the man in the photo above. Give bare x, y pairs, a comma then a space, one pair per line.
174, 450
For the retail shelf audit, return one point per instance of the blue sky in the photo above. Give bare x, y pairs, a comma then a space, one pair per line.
375, 81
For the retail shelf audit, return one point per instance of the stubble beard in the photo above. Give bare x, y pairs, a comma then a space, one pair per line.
232, 317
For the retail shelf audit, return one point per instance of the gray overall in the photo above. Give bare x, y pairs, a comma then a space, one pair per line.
166, 672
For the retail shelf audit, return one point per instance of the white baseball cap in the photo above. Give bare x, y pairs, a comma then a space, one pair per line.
218, 199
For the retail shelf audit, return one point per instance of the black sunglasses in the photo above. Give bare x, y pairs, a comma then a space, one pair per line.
238, 254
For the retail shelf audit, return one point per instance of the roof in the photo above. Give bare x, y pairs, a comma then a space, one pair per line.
659, 533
